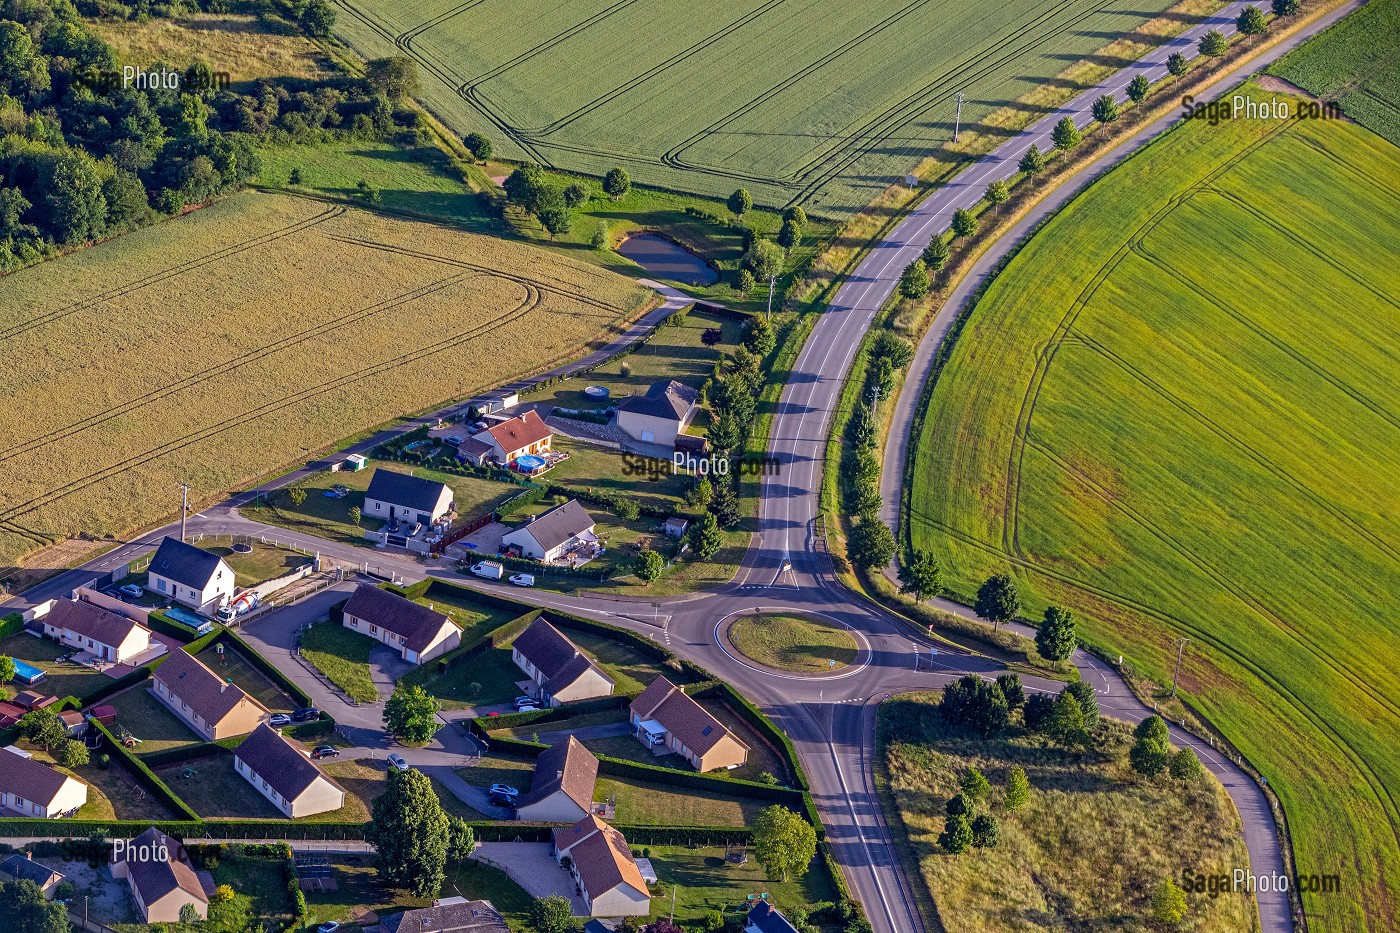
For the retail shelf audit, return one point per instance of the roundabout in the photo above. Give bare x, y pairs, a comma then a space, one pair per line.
795, 644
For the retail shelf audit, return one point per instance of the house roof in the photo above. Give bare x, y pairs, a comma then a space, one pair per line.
155, 878
418, 624
766, 918
567, 767
91, 621
201, 689
404, 489
29, 779
184, 563
471, 447
559, 524
280, 763
468, 917
554, 655
25, 869
600, 855
681, 716
519, 432
671, 400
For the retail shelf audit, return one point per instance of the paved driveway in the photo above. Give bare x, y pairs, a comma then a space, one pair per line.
530, 865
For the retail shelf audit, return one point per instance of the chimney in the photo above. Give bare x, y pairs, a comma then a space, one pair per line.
223, 685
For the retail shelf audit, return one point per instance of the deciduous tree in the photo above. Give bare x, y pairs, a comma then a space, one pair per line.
1185, 766
914, 284
956, 837
649, 567
1056, 639
1251, 22
1032, 161
1018, 789
975, 784
998, 193
765, 259
1009, 684
740, 202
395, 77
936, 254
7, 669
790, 236
479, 146
1138, 88
784, 843
986, 831
616, 183
1285, 7
1066, 720
707, 539
921, 576
1065, 135
409, 832
1169, 903
964, 223
998, 600
1177, 64
1214, 43
1088, 699
1104, 109
410, 715
871, 545
552, 914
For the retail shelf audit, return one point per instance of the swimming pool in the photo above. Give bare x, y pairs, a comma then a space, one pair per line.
529, 463
184, 617
27, 673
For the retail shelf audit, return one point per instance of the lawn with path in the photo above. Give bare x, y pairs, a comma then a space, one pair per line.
150, 720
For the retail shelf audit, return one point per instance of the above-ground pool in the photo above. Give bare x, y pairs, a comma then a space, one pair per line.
183, 616
27, 673
529, 463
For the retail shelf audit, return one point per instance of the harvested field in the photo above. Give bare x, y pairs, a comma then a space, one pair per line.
231, 43
252, 334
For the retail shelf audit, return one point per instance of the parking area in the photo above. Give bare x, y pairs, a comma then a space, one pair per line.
530, 865
483, 543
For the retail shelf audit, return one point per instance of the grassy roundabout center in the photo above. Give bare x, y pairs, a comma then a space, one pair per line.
788, 642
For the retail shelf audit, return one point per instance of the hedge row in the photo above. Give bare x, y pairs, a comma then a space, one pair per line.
324, 725
763, 726
525, 565
157, 622
113, 687
199, 750
146, 776
262, 664
11, 624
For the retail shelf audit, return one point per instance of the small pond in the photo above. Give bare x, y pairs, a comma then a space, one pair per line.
667, 260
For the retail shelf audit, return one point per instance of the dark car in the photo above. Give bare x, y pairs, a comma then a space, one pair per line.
501, 800
306, 714
325, 751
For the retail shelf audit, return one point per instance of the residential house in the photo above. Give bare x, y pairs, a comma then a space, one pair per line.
210, 705
475, 452
660, 415
562, 789
765, 918
190, 575
161, 877
31, 789
602, 865
447, 915
23, 868
93, 629
285, 774
407, 498
558, 670
551, 535
417, 632
516, 437
665, 717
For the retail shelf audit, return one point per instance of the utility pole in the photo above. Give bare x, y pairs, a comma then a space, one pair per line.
957, 122
1180, 649
772, 281
184, 507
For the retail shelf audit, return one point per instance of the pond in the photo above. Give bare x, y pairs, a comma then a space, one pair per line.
667, 260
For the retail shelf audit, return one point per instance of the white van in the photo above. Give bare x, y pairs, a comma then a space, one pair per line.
523, 579
489, 569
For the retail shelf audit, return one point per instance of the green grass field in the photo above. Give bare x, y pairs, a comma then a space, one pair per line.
1355, 64
798, 100
804, 644
343, 656
1192, 430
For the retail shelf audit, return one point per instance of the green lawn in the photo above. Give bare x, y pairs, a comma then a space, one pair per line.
343, 656
704, 881
591, 468
475, 618
644, 803
264, 562
252, 681
632, 671
151, 721
120, 794
216, 790
260, 894
804, 644
1202, 443
487, 679
499, 769
62, 678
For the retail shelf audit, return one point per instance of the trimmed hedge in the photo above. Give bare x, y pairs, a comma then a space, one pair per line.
121, 683
323, 725
182, 829
157, 622
192, 752
762, 725
11, 624
146, 776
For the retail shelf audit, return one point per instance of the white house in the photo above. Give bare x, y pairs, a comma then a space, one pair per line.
207, 703
603, 867
407, 498
516, 437
161, 878
561, 790
190, 575
553, 533
31, 789
418, 633
666, 719
93, 629
657, 417
559, 672
285, 774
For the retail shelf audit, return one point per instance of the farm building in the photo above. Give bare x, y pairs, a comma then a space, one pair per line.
418, 633
523, 435
658, 416
161, 877
666, 718
448, 915
93, 629
208, 704
190, 576
603, 867
408, 498
553, 534
23, 868
285, 774
559, 672
562, 789
30, 789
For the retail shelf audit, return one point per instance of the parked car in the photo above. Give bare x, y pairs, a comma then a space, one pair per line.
523, 579
531, 708
524, 701
325, 751
132, 590
306, 714
279, 720
397, 763
505, 790
454, 439
501, 800
330, 926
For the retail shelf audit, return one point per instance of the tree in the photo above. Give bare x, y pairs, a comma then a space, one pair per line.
1285, 7
784, 843
765, 259
790, 236
956, 837
461, 839
1033, 162
223, 894
1138, 88
1018, 789
577, 194
616, 183
740, 202
973, 702
1088, 699
662, 926
964, 223
410, 715
711, 336
1066, 720
1105, 109
997, 194
649, 566
298, 496
524, 185
892, 347
1177, 64
1153, 728
318, 18
1065, 134
871, 544
914, 284
986, 831
72, 754
1056, 639
409, 831
1185, 766
975, 784
706, 537
936, 254
998, 600
760, 338
959, 805
479, 146
552, 914
1009, 684
700, 493
7, 669
43, 727
1037, 711
1151, 752
552, 209
28, 911
725, 505
1251, 22
796, 213
921, 577
295, 177
1169, 903
355, 515
1213, 43
395, 77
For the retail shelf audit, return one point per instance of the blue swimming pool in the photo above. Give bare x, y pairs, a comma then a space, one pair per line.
184, 617
529, 463
27, 673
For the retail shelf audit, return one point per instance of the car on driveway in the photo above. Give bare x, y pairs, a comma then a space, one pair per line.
454, 439
306, 714
504, 790
532, 708
279, 720
325, 751
501, 800
397, 763
132, 590
524, 701
330, 926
